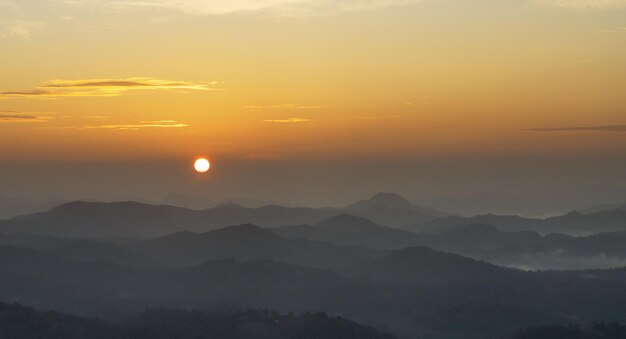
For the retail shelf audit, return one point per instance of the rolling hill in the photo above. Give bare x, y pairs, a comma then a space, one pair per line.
248, 242
133, 219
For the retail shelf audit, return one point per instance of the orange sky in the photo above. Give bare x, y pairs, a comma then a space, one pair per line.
310, 80
276, 79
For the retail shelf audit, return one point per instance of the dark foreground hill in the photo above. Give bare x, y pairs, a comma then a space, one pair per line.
25, 323
595, 331
413, 293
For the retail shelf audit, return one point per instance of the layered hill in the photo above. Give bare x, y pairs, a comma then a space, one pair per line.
132, 219
17, 321
575, 223
249, 242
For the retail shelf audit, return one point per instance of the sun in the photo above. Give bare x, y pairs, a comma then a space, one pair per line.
202, 165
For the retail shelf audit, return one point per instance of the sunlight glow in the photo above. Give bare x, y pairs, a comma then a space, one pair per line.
202, 165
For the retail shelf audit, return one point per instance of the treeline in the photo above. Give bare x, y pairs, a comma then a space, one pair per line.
596, 331
21, 322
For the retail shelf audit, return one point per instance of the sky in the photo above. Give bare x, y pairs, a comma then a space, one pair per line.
316, 102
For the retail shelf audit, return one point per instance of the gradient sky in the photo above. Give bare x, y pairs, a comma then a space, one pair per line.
311, 101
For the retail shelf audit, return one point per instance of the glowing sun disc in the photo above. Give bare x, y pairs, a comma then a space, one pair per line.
202, 165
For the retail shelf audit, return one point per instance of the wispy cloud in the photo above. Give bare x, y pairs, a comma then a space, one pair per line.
10, 117
21, 29
288, 121
104, 87
379, 117
612, 30
582, 4
605, 128
135, 126
284, 106
277, 7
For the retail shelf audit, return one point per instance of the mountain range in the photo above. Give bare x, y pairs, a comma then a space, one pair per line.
139, 220
132, 219
571, 223
248, 242
382, 262
413, 292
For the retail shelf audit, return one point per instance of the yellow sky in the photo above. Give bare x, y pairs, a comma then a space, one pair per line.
310, 78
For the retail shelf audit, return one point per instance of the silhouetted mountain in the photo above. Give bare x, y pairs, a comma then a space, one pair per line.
595, 331
424, 266
132, 219
21, 322
414, 291
32, 241
348, 224
78, 250
605, 207
96, 219
248, 242
559, 251
347, 230
575, 222
502, 222
571, 223
257, 284
45, 281
96, 251
188, 201
11, 207
382, 199
25, 323
479, 236
229, 205
356, 231
394, 211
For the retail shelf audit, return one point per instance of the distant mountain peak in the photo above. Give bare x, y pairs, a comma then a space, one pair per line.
573, 213
413, 265
242, 231
81, 204
80, 207
346, 218
389, 198
476, 227
71, 205
348, 221
182, 234
229, 204
382, 199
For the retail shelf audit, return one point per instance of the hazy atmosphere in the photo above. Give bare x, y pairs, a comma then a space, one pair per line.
305, 169
316, 102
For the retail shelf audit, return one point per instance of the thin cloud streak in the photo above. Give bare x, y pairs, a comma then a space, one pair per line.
379, 117
104, 87
219, 7
288, 121
582, 4
21, 29
10, 117
140, 125
296, 8
285, 106
605, 128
